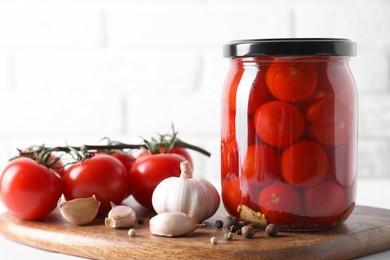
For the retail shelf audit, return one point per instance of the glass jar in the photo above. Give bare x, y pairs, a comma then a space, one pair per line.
289, 132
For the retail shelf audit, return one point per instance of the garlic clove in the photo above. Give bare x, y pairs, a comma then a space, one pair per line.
120, 216
171, 224
79, 211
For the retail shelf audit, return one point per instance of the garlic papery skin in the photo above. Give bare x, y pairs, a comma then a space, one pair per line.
197, 198
121, 216
79, 211
172, 224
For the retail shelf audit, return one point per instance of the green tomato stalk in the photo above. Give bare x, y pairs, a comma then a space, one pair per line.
164, 143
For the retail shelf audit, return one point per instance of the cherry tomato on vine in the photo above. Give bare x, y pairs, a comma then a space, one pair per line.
280, 203
279, 123
58, 166
304, 163
291, 82
127, 159
103, 176
182, 152
28, 189
148, 171
175, 150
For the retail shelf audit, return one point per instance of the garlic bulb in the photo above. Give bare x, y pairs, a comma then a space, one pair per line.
197, 198
172, 224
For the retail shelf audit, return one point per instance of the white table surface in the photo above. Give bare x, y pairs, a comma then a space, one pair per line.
375, 192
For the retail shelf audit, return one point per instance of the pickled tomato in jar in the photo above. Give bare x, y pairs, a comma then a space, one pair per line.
289, 132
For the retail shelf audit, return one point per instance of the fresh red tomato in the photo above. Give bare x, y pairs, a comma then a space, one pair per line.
141, 152
148, 171
28, 189
304, 163
280, 203
127, 159
279, 123
231, 194
261, 164
58, 166
175, 150
324, 200
182, 152
103, 176
330, 120
291, 82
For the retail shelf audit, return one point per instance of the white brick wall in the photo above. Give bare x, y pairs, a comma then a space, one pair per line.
30, 24
71, 114
5, 70
78, 70
157, 25
106, 70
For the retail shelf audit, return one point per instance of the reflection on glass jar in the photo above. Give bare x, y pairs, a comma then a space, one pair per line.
289, 132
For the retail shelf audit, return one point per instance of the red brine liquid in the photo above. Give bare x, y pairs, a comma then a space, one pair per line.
289, 140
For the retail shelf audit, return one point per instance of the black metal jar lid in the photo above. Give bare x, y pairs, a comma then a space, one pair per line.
290, 47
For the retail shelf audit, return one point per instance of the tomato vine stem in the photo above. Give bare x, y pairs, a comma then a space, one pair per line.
182, 144
91, 148
163, 144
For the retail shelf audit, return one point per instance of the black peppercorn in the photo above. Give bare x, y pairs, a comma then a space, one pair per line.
219, 224
238, 231
229, 221
248, 231
140, 221
272, 230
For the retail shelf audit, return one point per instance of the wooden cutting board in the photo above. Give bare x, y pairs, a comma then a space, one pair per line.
366, 231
